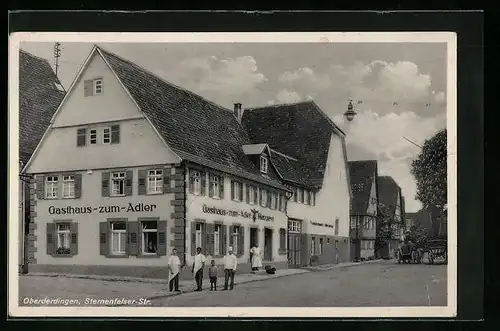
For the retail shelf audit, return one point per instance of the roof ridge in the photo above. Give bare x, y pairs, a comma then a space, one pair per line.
34, 56
284, 155
278, 105
163, 79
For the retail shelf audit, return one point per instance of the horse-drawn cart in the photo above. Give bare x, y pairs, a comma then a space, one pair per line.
436, 248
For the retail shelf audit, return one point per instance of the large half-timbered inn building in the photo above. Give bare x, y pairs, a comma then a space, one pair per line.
132, 166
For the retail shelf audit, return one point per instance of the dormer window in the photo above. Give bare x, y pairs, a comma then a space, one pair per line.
263, 164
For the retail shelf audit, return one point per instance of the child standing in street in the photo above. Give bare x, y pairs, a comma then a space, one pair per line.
212, 274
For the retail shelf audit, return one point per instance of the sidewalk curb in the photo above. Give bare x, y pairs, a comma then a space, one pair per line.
342, 265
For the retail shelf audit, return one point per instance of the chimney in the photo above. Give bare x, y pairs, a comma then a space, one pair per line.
238, 112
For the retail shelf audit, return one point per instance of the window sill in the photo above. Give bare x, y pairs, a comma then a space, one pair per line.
117, 256
68, 198
148, 256
117, 196
51, 198
154, 193
62, 255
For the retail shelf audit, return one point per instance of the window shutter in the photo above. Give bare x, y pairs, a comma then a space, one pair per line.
74, 238
221, 186
240, 193
247, 194
241, 240
231, 231
138, 228
103, 238
255, 195
295, 191
162, 238
166, 180
193, 238
210, 187
129, 176
81, 137
78, 185
203, 183
141, 182
269, 199
132, 238
40, 187
88, 88
115, 134
105, 184
223, 237
51, 238
191, 181
232, 190
210, 239
204, 239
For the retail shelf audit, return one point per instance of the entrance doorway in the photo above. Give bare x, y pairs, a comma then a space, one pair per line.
268, 244
294, 243
254, 237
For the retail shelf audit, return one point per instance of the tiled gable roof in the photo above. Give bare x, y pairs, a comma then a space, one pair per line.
422, 218
196, 129
388, 191
362, 175
39, 97
293, 171
300, 130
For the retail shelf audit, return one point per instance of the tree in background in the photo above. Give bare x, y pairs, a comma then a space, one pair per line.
430, 170
388, 228
417, 235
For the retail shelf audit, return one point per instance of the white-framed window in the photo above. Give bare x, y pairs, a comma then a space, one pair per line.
273, 201
118, 238
293, 226
306, 197
263, 197
93, 136
217, 232
251, 194
300, 195
196, 183
97, 86
155, 181
149, 237
51, 187
236, 191
63, 235
263, 164
313, 246
235, 239
68, 186
118, 183
106, 135
199, 235
214, 186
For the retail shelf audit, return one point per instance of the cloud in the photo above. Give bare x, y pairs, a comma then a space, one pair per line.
286, 96
222, 80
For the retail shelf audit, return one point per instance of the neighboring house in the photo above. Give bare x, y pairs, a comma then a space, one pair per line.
40, 92
363, 208
308, 151
391, 206
133, 166
422, 219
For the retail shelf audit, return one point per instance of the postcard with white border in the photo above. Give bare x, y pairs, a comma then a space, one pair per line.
233, 174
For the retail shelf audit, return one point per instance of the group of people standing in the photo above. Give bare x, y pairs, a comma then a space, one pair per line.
230, 264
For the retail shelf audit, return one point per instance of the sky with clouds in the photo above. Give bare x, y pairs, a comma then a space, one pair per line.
398, 89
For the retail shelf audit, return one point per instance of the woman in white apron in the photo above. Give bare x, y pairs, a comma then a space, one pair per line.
256, 259
174, 266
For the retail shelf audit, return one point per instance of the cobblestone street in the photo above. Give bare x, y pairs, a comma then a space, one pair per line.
382, 283
376, 284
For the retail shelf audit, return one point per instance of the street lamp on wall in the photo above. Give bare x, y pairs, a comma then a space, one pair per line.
350, 113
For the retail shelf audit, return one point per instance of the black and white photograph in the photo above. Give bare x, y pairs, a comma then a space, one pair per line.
233, 174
